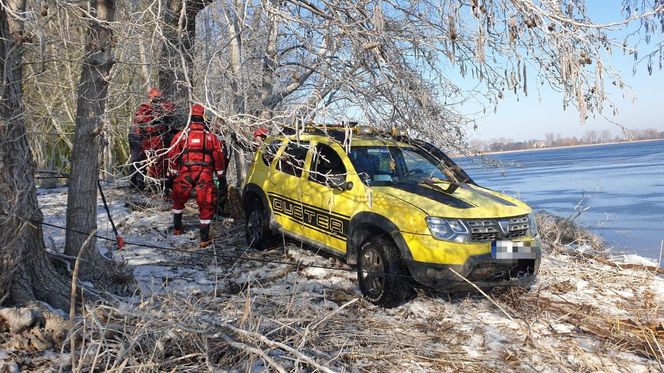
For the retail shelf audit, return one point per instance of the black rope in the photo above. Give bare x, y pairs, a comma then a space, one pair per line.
298, 265
51, 177
204, 253
118, 238
52, 174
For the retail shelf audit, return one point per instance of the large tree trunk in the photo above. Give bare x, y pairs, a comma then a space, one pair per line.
235, 64
177, 54
25, 272
82, 191
91, 105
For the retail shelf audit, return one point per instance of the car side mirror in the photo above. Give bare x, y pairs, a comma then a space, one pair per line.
342, 186
346, 185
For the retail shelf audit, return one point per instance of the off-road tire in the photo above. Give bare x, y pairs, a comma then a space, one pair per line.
257, 227
382, 273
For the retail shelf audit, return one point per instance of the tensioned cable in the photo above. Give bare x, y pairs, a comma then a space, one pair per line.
204, 253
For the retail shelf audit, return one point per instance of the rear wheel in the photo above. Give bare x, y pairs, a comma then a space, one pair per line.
257, 229
382, 273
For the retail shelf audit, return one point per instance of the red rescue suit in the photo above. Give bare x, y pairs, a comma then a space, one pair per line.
150, 124
195, 157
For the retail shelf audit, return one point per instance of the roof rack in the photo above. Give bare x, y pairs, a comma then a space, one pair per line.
338, 131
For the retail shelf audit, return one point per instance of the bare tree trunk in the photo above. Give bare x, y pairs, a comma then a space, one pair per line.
25, 272
235, 60
82, 192
91, 105
235, 57
177, 54
169, 59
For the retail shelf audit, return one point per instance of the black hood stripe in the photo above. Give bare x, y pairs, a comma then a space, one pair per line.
488, 195
437, 196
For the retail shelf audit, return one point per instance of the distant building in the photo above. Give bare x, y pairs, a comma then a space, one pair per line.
539, 144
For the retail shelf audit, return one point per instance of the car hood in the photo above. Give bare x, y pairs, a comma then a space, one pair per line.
465, 201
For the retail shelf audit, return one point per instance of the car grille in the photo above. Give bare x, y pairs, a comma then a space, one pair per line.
490, 229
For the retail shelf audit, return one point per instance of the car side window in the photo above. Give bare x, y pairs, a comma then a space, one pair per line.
292, 159
270, 152
327, 167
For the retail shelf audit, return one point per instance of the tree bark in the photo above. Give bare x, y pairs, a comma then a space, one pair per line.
88, 140
269, 59
91, 105
235, 60
177, 54
25, 272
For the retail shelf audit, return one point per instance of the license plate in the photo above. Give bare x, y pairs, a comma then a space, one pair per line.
511, 250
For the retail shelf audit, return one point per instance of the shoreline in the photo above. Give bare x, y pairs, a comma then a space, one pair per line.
571, 321
561, 147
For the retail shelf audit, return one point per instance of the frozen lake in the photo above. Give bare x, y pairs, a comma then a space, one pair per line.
622, 185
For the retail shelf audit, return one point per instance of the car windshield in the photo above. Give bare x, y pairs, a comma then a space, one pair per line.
388, 165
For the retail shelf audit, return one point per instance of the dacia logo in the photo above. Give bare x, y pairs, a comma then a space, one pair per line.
504, 226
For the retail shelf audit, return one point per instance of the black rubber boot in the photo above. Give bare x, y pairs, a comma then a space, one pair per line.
205, 236
177, 224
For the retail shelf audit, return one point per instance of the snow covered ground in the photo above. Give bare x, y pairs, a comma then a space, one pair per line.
581, 314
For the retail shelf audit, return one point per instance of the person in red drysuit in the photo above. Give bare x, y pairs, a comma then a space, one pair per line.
152, 123
194, 158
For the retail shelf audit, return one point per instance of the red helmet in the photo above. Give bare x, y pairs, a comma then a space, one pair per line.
197, 110
262, 132
154, 93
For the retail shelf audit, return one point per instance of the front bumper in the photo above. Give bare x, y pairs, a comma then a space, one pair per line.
473, 262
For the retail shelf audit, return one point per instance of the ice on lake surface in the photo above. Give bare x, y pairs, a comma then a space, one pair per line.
622, 185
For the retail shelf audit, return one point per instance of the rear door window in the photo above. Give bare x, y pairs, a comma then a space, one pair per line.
292, 159
327, 167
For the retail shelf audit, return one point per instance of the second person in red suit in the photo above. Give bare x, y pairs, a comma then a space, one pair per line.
194, 158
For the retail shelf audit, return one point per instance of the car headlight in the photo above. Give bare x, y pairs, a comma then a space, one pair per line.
448, 229
532, 225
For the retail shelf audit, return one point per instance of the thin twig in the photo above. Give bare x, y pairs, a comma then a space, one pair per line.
483, 293
310, 328
72, 298
253, 350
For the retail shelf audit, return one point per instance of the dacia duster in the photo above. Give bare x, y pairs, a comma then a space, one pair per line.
398, 208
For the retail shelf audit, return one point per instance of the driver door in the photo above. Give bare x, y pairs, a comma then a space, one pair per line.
329, 202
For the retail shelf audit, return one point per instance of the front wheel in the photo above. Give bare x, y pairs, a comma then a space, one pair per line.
382, 274
257, 229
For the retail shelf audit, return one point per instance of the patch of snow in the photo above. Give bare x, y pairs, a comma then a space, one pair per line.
472, 346
589, 344
658, 286
634, 259
636, 363
498, 319
563, 328
580, 248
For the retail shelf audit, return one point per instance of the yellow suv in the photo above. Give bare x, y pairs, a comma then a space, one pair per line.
397, 208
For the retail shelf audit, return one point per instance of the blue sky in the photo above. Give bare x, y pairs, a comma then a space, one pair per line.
542, 112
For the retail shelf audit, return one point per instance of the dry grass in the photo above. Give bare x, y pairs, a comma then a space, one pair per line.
557, 233
582, 315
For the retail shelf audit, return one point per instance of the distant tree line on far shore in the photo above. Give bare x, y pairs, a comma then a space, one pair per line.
557, 140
